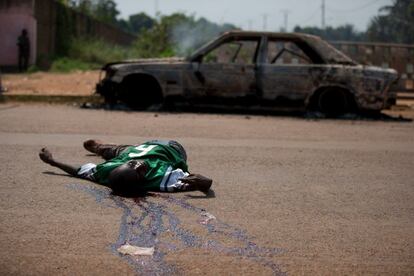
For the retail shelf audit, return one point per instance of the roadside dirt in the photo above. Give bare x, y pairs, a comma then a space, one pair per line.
43, 83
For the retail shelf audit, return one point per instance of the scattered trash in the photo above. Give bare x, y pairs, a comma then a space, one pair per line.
206, 217
128, 249
87, 105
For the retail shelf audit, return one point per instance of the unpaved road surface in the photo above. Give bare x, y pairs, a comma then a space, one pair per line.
78, 83
292, 196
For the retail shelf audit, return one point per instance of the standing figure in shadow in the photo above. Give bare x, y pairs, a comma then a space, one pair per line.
23, 43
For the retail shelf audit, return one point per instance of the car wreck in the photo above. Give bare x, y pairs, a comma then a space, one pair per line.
240, 68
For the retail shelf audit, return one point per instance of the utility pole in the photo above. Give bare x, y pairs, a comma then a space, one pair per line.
249, 24
156, 9
286, 18
323, 14
264, 21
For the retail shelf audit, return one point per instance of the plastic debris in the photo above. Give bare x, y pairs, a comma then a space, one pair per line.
206, 217
128, 249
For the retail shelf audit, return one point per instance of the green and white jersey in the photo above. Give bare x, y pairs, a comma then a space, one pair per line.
165, 166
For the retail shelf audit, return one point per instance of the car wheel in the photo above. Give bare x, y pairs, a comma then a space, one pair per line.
141, 92
333, 102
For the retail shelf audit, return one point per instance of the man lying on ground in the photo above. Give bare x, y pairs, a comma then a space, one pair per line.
152, 166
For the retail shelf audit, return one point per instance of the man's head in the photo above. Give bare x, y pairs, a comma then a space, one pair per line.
128, 176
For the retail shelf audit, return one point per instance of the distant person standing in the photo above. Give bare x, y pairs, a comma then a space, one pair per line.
2, 89
23, 43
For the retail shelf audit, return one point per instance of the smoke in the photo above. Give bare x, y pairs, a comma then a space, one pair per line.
188, 36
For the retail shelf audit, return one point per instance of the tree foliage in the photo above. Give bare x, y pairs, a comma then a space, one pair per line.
396, 25
140, 21
103, 10
345, 32
106, 11
176, 34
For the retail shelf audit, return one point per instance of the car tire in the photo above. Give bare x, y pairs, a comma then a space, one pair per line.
333, 102
141, 92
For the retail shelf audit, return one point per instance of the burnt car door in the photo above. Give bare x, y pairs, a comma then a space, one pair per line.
286, 73
228, 70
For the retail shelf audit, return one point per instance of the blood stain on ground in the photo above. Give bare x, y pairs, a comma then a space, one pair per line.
144, 221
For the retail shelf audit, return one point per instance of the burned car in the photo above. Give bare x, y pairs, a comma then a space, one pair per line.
253, 68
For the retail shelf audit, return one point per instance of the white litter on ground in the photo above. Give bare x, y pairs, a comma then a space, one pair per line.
206, 217
128, 249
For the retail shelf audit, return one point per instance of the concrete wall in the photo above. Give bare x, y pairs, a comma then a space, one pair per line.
16, 15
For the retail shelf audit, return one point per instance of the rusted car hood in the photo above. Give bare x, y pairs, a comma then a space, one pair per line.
169, 60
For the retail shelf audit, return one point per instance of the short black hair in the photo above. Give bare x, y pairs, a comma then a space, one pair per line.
121, 182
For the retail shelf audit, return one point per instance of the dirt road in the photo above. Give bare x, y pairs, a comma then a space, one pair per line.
78, 83
292, 195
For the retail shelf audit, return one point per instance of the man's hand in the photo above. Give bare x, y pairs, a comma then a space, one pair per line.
197, 182
46, 156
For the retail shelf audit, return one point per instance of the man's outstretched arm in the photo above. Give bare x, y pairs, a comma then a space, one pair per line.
47, 157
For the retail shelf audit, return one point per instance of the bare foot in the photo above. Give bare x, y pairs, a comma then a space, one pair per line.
92, 145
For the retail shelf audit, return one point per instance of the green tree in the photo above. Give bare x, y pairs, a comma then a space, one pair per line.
154, 42
124, 25
85, 6
64, 2
396, 25
103, 10
106, 11
177, 34
345, 32
140, 21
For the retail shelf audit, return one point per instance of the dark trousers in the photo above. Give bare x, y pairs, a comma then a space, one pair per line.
23, 62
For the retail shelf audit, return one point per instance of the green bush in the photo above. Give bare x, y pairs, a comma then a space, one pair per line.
97, 51
67, 65
88, 54
176, 34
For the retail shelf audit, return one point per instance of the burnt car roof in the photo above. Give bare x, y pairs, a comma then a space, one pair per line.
328, 53
268, 34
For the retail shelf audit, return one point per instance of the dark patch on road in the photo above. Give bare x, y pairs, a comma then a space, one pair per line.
254, 110
362, 116
146, 223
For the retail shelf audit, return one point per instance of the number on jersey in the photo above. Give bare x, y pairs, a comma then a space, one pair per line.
143, 150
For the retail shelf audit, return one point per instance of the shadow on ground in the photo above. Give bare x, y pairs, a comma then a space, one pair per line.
255, 110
